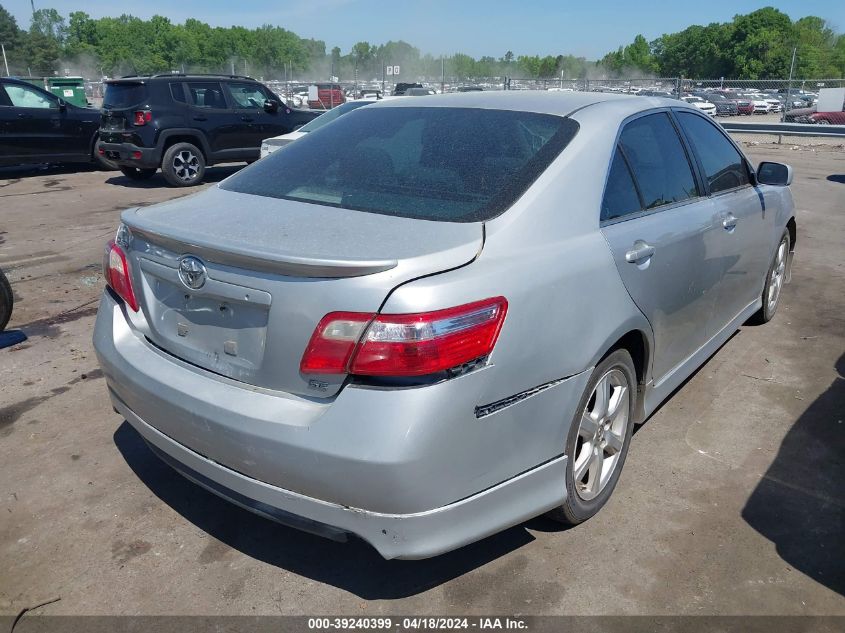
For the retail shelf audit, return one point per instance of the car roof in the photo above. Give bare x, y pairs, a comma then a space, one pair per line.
176, 77
539, 101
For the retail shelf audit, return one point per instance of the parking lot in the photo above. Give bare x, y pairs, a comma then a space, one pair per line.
731, 501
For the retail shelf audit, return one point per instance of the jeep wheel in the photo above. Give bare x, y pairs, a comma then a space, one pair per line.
183, 165
136, 173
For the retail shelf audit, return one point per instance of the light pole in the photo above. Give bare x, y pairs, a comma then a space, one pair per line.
788, 103
5, 61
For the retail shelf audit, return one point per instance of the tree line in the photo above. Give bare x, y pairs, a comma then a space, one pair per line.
753, 46
758, 45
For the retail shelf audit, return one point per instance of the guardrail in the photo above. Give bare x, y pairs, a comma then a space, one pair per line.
785, 129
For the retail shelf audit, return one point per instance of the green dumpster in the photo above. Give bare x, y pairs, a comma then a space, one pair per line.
71, 89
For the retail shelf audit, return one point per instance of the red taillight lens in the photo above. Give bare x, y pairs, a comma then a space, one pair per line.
116, 270
404, 344
142, 117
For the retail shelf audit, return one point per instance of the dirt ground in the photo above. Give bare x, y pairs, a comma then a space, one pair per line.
732, 500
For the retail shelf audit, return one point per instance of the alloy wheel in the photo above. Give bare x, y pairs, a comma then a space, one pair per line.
601, 434
777, 277
186, 165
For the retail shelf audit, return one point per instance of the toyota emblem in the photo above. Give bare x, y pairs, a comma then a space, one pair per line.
192, 272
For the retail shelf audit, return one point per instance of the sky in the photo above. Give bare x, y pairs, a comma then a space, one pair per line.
476, 27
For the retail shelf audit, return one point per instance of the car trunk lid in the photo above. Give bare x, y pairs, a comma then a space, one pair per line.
272, 269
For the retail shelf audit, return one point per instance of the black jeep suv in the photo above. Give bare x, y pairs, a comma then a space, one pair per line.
182, 123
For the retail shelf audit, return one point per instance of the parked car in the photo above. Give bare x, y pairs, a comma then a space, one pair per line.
37, 126
375, 331
401, 88
836, 117
270, 145
328, 96
419, 92
469, 89
744, 106
185, 123
702, 104
724, 106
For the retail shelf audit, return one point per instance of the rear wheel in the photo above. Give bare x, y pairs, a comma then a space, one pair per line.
183, 165
136, 173
774, 282
822, 122
598, 439
7, 300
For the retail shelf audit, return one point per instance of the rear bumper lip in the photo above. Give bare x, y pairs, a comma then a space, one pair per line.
120, 153
409, 536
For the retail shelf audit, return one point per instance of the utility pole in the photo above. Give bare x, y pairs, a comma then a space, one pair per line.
788, 103
442, 75
5, 61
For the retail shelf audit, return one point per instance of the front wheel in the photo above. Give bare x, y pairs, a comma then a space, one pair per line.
7, 301
775, 279
598, 438
183, 165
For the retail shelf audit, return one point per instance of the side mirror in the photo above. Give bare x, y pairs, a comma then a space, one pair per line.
271, 105
777, 174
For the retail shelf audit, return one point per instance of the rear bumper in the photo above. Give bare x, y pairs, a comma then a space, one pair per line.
122, 154
410, 536
405, 470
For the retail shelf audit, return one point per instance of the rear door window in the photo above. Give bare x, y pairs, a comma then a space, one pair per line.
723, 165
620, 195
658, 160
206, 94
247, 95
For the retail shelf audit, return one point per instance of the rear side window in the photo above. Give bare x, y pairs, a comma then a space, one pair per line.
658, 160
124, 94
177, 92
446, 164
620, 195
206, 94
723, 165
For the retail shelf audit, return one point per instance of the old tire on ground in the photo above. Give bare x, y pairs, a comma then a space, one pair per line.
599, 437
775, 279
7, 301
183, 165
136, 173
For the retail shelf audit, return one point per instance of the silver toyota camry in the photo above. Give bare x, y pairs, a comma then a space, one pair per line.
435, 318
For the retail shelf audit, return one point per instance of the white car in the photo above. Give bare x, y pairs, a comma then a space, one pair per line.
702, 104
761, 105
270, 145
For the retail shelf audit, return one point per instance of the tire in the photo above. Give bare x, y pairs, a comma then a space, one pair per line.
822, 122
183, 165
772, 291
7, 301
136, 173
586, 495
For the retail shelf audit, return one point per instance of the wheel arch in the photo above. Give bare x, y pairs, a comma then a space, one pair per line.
638, 343
792, 227
169, 138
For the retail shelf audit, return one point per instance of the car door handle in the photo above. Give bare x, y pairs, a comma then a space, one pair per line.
21, 115
248, 119
729, 221
640, 252
200, 118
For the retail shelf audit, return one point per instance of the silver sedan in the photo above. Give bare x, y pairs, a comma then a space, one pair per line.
438, 317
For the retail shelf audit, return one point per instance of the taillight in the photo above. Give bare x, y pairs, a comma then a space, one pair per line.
116, 270
142, 117
404, 344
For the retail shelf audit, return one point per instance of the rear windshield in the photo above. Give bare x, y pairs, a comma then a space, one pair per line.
123, 95
435, 163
